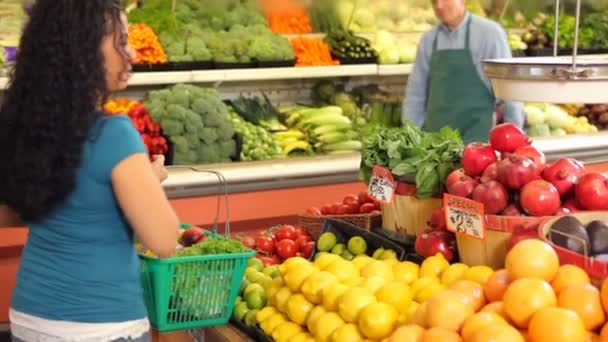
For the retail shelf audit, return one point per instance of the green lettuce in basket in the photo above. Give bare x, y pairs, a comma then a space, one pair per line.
201, 288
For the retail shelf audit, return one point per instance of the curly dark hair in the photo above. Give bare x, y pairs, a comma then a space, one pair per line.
50, 105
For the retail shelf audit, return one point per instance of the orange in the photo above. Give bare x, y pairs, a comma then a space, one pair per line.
593, 337
407, 333
496, 307
472, 290
532, 258
604, 333
556, 325
497, 332
497, 285
585, 301
478, 321
448, 309
419, 317
604, 294
568, 275
440, 334
526, 296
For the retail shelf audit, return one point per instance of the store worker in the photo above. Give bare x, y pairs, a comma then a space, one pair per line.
80, 180
447, 86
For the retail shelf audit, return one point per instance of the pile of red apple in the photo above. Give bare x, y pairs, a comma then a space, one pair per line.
436, 238
276, 244
510, 177
350, 205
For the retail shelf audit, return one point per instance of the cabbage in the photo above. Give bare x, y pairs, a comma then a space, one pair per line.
540, 130
383, 40
364, 18
558, 132
534, 114
556, 117
407, 53
389, 55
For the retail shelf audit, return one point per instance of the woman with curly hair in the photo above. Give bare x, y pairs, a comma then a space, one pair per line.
80, 180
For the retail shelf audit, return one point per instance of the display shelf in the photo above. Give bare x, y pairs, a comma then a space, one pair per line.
395, 69
3, 82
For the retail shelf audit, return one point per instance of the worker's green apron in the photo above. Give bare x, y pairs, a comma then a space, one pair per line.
458, 97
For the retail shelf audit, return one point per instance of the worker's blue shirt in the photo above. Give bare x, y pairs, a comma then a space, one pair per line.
487, 41
79, 263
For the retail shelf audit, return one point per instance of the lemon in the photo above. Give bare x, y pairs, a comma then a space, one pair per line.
322, 260
353, 301
426, 292
352, 282
479, 274
346, 333
378, 268
293, 262
285, 331
272, 322
280, 299
313, 316
377, 320
361, 261
420, 283
296, 276
434, 266
275, 286
314, 284
406, 272
388, 254
302, 337
331, 294
343, 270
373, 283
265, 313
391, 262
298, 309
326, 325
453, 273
396, 294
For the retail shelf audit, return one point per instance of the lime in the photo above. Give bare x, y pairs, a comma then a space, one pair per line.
249, 318
326, 241
338, 249
272, 271
388, 254
244, 284
346, 254
378, 253
250, 271
256, 263
254, 277
238, 300
357, 245
240, 310
256, 300
253, 287
265, 281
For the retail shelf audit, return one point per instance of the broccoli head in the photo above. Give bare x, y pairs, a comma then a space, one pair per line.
228, 148
178, 97
198, 50
209, 135
180, 144
175, 112
185, 158
156, 108
171, 127
193, 140
214, 120
192, 122
225, 130
209, 153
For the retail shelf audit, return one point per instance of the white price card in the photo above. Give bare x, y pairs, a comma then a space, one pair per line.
382, 185
464, 216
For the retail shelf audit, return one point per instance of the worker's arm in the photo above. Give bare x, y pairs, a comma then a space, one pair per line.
414, 105
8, 218
499, 48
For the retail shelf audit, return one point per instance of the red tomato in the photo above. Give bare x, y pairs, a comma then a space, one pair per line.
367, 208
364, 197
265, 244
286, 232
354, 207
343, 209
248, 242
314, 211
326, 209
267, 261
301, 241
335, 208
286, 248
350, 198
308, 248
302, 232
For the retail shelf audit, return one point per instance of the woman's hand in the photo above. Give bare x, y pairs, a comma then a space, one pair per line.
158, 166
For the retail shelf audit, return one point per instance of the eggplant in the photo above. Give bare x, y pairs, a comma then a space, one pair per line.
574, 237
598, 235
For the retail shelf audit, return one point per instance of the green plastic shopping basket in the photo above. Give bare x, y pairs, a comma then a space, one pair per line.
197, 291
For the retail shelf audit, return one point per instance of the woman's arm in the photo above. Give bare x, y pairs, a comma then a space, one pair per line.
145, 204
8, 218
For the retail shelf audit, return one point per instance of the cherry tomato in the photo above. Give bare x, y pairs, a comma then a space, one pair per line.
248, 242
367, 208
308, 248
301, 232
286, 248
267, 261
301, 241
314, 211
335, 207
326, 209
286, 232
343, 209
364, 197
265, 244
354, 207
350, 198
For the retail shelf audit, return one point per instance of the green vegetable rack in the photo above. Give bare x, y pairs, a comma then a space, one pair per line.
195, 291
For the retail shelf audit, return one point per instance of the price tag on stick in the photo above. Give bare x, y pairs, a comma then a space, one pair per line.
382, 185
464, 216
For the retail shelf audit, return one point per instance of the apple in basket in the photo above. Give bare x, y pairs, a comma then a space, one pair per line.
192, 235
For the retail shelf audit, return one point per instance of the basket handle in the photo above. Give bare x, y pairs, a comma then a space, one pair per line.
222, 188
570, 236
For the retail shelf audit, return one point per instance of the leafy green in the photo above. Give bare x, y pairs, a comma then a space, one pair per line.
599, 22
413, 156
567, 24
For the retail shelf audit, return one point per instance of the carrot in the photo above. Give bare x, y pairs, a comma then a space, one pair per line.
149, 50
312, 52
286, 16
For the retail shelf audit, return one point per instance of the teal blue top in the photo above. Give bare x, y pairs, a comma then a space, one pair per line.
79, 263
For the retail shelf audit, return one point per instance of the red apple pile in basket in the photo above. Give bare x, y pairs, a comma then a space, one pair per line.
436, 238
350, 205
510, 177
279, 243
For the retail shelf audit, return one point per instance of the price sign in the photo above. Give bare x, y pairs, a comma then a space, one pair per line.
464, 216
382, 185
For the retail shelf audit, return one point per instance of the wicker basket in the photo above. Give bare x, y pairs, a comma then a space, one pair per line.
408, 214
314, 223
493, 250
